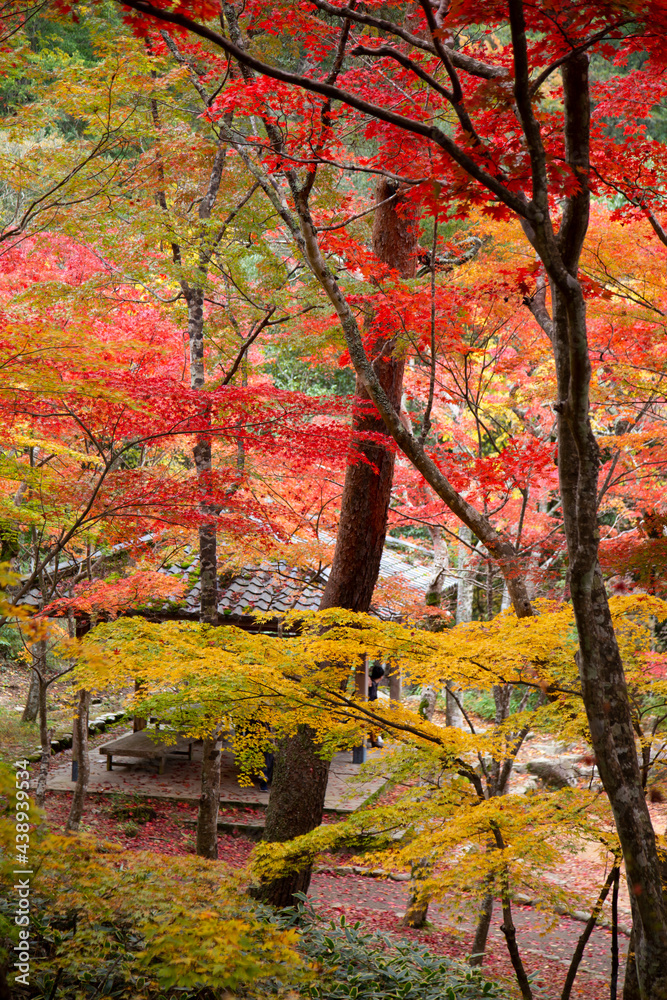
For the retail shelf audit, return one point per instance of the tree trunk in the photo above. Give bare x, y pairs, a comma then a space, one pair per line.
299, 786
31, 709
436, 587
631, 984
44, 732
416, 913
464, 598
139, 723
600, 666
300, 776
427, 704
80, 749
482, 931
209, 799
465, 572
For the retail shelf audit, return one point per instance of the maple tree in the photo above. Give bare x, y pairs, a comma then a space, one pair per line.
109, 478
454, 808
541, 175
490, 463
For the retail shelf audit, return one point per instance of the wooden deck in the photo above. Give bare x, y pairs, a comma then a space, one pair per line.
149, 747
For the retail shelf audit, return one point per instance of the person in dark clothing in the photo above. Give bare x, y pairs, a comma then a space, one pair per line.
376, 675
266, 779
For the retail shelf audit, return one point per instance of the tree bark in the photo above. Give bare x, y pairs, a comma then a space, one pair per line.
300, 777
482, 931
209, 799
631, 984
31, 709
600, 666
80, 748
416, 913
464, 599
44, 732
299, 788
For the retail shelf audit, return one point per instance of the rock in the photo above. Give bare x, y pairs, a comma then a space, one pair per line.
527, 788
427, 703
554, 774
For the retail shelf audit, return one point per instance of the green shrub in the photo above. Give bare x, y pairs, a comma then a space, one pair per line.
483, 704
356, 965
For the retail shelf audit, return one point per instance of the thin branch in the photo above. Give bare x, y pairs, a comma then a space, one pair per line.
516, 202
252, 336
359, 215
586, 933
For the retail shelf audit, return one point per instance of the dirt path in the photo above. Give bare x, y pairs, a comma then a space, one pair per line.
545, 950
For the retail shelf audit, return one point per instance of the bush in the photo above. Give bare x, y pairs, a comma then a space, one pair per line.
137, 926
371, 966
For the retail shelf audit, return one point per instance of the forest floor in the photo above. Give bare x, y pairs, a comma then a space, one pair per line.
339, 890
379, 903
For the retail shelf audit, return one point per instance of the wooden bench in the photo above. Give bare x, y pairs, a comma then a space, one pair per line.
142, 745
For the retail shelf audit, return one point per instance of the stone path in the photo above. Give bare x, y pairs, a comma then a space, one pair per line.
180, 780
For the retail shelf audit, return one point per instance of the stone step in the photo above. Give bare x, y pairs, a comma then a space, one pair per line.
251, 831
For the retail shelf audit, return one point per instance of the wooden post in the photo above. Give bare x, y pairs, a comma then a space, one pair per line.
139, 722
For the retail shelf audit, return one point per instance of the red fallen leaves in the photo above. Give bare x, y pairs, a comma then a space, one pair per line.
167, 833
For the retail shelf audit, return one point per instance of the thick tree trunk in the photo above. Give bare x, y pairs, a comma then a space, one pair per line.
209, 800
416, 913
80, 750
600, 666
300, 777
299, 786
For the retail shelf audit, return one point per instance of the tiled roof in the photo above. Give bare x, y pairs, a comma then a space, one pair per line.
276, 586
